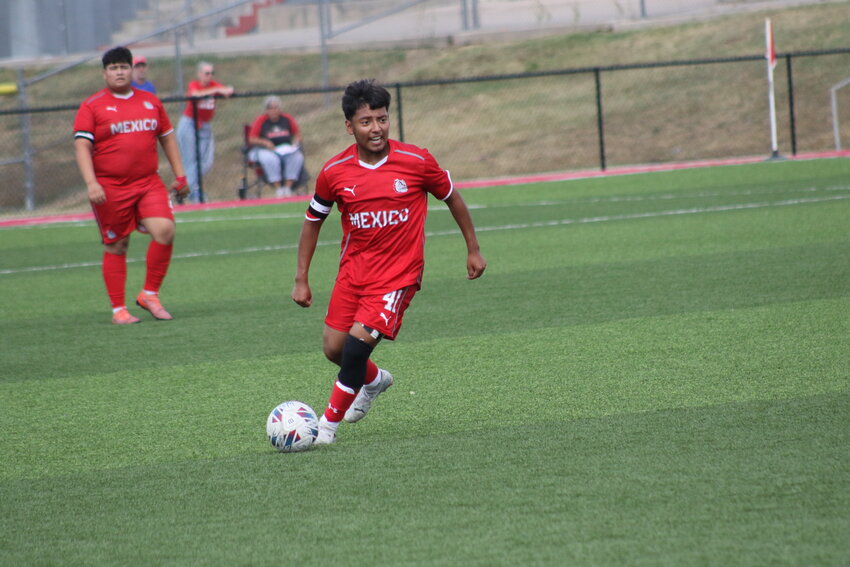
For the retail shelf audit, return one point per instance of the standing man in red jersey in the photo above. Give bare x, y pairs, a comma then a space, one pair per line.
115, 139
199, 148
381, 188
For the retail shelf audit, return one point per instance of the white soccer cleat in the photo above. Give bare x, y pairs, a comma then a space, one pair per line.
327, 433
360, 407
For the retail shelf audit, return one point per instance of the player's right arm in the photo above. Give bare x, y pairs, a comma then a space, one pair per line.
84, 150
301, 293
314, 218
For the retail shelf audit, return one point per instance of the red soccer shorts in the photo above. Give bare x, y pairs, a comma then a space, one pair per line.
382, 312
125, 207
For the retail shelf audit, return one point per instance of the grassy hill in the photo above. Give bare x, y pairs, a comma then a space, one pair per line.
478, 125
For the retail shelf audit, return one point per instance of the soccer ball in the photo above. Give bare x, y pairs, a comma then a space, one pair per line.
292, 426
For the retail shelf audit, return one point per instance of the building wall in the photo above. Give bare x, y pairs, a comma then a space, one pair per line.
32, 28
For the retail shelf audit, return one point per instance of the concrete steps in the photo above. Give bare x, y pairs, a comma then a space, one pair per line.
164, 12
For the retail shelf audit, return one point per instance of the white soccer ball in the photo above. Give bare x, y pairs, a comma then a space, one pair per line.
292, 426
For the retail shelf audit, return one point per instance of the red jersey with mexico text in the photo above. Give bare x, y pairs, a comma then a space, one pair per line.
383, 210
125, 130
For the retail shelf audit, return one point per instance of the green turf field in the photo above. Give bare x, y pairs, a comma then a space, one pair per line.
655, 370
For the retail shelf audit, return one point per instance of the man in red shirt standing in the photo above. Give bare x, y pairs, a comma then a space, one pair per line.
203, 152
381, 188
116, 131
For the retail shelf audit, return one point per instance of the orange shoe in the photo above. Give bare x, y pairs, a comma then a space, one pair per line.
152, 304
123, 317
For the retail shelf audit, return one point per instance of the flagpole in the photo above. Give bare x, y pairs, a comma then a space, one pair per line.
770, 55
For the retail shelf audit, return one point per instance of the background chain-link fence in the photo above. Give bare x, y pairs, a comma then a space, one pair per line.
485, 127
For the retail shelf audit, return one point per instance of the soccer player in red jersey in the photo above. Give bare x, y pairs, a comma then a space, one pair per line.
115, 140
380, 187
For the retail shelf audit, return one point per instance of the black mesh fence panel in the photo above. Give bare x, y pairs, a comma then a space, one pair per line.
488, 127
684, 113
813, 78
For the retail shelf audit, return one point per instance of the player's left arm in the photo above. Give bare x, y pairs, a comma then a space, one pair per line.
172, 153
475, 262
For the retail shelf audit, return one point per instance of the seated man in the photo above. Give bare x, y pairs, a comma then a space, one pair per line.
275, 141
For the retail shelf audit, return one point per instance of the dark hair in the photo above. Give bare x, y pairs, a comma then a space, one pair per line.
117, 55
364, 93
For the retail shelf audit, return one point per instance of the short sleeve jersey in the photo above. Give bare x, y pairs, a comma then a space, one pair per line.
206, 105
280, 131
383, 210
125, 131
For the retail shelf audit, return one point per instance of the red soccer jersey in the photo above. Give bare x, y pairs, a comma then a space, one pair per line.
383, 211
206, 106
125, 131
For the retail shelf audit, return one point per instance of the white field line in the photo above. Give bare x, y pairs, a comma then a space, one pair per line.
439, 208
519, 226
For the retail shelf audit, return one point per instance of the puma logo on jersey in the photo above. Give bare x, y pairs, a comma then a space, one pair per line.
112, 108
350, 190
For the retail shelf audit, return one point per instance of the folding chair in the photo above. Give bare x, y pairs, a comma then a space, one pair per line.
259, 179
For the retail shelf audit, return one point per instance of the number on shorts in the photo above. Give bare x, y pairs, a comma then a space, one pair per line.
392, 299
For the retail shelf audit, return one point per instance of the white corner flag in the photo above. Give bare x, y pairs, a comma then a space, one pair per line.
770, 56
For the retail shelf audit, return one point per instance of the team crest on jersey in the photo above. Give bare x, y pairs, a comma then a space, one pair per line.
400, 186
148, 105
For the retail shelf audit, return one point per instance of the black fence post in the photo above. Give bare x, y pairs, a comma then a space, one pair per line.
198, 166
400, 113
793, 123
26, 142
600, 122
